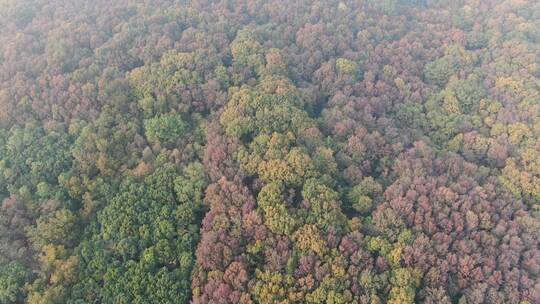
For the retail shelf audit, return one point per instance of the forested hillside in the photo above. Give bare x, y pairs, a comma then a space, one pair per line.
270, 151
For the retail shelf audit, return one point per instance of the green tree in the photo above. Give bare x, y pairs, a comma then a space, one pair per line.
165, 128
362, 195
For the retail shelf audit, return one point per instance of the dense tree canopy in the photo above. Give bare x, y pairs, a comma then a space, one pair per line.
270, 151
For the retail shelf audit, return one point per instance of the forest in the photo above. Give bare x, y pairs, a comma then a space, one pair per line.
270, 151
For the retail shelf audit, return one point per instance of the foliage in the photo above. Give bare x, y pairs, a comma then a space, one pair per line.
269, 151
